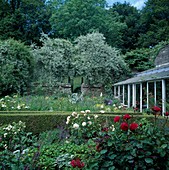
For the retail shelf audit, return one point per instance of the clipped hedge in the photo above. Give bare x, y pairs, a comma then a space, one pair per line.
38, 122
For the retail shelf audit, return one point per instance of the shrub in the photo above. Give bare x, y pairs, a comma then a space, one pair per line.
16, 68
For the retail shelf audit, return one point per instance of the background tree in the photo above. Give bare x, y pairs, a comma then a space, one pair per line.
154, 23
142, 59
76, 17
98, 62
24, 20
16, 67
130, 16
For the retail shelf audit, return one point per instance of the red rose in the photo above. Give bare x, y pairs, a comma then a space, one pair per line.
73, 163
140, 125
77, 163
156, 109
126, 116
124, 126
167, 113
117, 119
133, 126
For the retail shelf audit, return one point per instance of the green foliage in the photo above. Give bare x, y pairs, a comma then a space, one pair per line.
145, 147
35, 122
75, 17
53, 61
129, 15
14, 146
154, 23
143, 58
83, 126
16, 68
96, 61
24, 20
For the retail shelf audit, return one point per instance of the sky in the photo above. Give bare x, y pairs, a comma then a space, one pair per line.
136, 3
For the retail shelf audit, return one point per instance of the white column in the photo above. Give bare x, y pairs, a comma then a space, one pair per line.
134, 95
147, 95
119, 92
155, 93
163, 97
128, 96
114, 91
123, 94
141, 97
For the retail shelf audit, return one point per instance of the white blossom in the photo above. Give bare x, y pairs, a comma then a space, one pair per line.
84, 124
95, 116
102, 111
74, 114
87, 111
75, 126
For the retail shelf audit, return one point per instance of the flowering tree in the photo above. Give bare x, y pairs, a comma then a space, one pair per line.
53, 60
97, 61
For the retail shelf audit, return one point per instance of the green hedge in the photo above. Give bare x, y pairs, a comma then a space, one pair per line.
37, 122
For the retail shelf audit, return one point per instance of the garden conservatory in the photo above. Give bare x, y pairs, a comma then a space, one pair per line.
148, 88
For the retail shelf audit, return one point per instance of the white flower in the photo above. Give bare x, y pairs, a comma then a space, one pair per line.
5, 146
95, 116
67, 141
88, 118
87, 111
102, 111
84, 124
102, 106
68, 118
5, 134
112, 127
89, 122
114, 105
3, 105
82, 111
18, 107
120, 107
75, 126
85, 114
101, 94
74, 113
77, 116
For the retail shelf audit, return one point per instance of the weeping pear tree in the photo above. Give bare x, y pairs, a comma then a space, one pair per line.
53, 61
98, 62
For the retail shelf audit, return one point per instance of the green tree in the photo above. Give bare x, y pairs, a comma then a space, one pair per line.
142, 59
16, 67
130, 16
154, 23
98, 62
53, 61
76, 17
24, 20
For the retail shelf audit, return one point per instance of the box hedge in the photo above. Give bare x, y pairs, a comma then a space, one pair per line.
38, 122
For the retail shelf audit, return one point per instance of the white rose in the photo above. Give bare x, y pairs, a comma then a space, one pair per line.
95, 116
74, 113
84, 124
102, 111
75, 126
82, 111
87, 111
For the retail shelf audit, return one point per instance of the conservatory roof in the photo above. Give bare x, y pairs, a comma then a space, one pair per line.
160, 72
